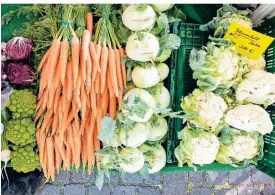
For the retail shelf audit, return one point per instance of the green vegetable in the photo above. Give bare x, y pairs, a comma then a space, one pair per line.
196, 147
164, 55
20, 131
160, 94
225, 16
24, 159
239, 148
217, 66
22, 103
157, 127
210, 109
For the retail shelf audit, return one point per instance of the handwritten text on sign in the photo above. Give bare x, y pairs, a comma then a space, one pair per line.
248, 42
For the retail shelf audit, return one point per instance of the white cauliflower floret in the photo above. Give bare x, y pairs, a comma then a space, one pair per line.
251, 64
196, 147
258, 87
250, 118
243, 147
209, 106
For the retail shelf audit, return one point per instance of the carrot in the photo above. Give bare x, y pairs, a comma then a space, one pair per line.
42, 141
85, 44
123, 68
105, 101
112, 107
94, 56
71, 139
50, 155
90, 145
75, 58
38, 115
99, 114
84, 150
58, 158
69, 80
89, 22
103, 67
82, 67
97, 148
98, 49
97, 84
44, 74
93, 101
118, 70
55, 124
68, 156
84, 121
94, 73
77, 143
57, 76
120, 100
88, 74
49, 125
50, 98
43, 60
112, 68
57, 97
64, 53
45, 162
83, 100
109, 82
77, 90
53, 58
61, 147
44, 99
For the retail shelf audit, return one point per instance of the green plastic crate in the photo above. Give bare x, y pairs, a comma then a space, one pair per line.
182, 83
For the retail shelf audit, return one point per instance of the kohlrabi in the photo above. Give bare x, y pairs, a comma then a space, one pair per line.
139, 17
163, 71
145, 77
155, 155
142, 47
138, 105
160, 94
157, 127
132, 160
134, 136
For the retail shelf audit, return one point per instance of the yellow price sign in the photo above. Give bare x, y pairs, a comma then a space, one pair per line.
248, 42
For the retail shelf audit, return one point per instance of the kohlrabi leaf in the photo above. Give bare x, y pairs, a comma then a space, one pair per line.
161, 26
175, 15
99, 179
169, 41
107, 133
226, 137
145, 170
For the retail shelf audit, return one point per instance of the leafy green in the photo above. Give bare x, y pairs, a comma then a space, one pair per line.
175, 15
162, 25
145, 170
107, 133
169, 41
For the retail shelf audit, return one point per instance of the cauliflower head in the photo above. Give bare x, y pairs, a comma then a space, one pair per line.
249, 118
216, 67
210, 109
258, 87
250, 64
24, 159
22, 103
20, 131
240, 147
196, 147
226, 15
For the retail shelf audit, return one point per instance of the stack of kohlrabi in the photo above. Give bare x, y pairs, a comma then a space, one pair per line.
133, 140
226, 120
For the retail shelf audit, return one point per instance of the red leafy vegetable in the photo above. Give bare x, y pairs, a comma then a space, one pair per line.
19, 73
19, 48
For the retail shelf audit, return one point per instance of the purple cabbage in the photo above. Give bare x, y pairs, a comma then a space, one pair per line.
19, 48
20, 73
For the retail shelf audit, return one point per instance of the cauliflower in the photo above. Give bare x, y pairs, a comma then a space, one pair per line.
24, 159
238, 147
251, 64
20, 131
216, 67
196, 147
22, 103
249, 118
226, 15
258, 87
210, 109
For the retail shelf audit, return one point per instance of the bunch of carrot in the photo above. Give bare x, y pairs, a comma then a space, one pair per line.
76, 92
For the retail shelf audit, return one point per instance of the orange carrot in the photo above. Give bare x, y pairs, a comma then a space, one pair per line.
50, 155
69, 80
103, 67
85, 44
84, 150
120, 100
57, 75
112, 68
61, 147
105, 101
57, 97
55, 124
93, 101
89, 22
83, 100
77, 143
98, 49
43, 60
112, 107
118, 70
94, 56
88, 74
97, 84
58, 158
84, 121
75, 58
82, 67
123, 68
64, 53
68, 163
99, 114
51, 97
77, 90
53, 58
71, 139
45, 163
97, 148
49, 125
109, 82
90, 144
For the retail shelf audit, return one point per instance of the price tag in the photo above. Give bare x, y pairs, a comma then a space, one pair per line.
248, 42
